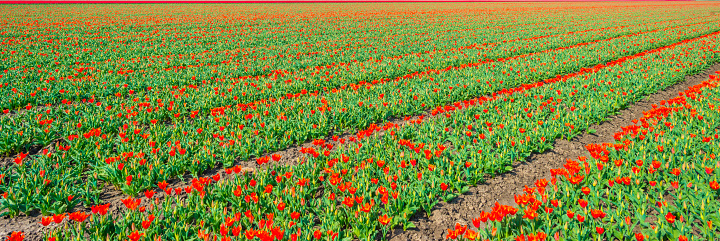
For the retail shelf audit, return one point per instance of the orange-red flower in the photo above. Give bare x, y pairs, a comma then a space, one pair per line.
670, 217
483, 218
131, 203
149, 193
576, 179
100, 209
135, 236
367, 207
452, 234
540, 236
384, 219
45, 221
460, 229
57, 218
146, 224
16, 236
530, 214
78, 216
470, 235
583, 203
586, 190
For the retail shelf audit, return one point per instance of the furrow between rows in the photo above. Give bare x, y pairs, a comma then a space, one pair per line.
356, 174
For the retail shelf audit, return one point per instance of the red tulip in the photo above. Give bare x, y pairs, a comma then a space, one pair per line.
16, 236
57, 218
384, 220
45, 221
597, 213
149, 194
582, 203
295, 215
78, 216
714, 185
135, 236
586, 190
670, 217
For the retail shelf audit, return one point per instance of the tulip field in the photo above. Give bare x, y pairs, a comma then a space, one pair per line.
348, 121
660, 169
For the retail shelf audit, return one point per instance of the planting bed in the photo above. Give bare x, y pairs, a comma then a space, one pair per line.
504, 187
359, 121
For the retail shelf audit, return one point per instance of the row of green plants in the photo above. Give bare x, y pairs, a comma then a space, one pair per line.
133, 157
35, 83
368, 186
657, 181
179, 102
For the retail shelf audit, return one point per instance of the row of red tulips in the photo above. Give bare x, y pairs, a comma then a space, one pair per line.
365, 187
144, 156
656, 182
40, 83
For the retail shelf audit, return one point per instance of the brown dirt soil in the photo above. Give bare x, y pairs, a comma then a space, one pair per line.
503, 187
444, 215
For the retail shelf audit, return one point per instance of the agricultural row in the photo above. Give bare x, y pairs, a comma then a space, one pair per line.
370, 185
483, 96
158, 56
135, 143
657, 182
292, 58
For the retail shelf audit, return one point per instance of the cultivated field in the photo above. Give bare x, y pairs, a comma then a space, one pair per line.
402, 121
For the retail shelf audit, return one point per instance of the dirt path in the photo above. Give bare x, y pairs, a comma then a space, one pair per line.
503, 187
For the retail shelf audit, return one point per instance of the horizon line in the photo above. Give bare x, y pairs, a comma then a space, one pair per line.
311, 1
